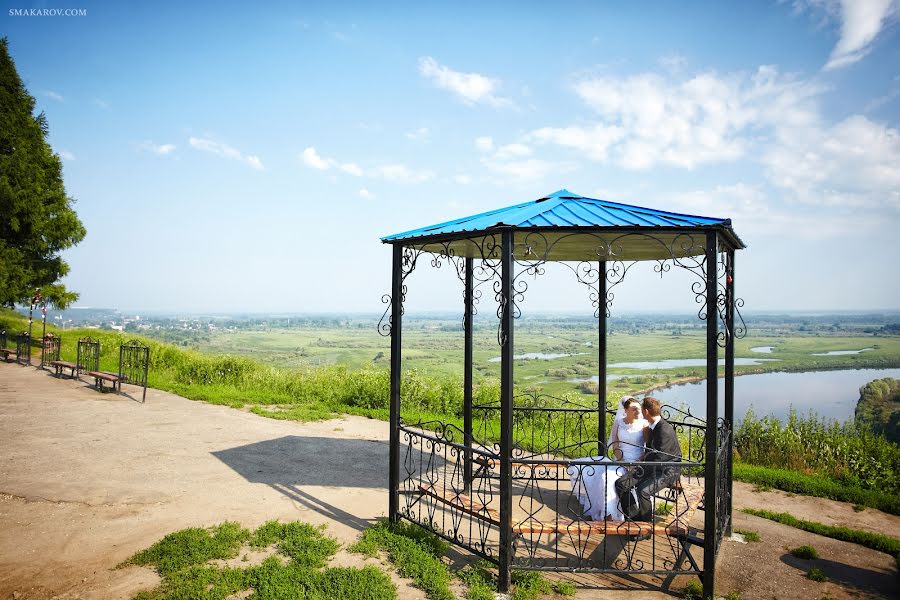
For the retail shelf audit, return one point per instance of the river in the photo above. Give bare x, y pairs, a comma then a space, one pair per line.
831, 394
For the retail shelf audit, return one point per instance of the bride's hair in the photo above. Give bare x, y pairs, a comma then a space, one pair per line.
628, 400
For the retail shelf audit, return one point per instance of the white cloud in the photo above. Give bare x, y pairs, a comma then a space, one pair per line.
66, 155
852, 164
419, 135
472, 88
364, 193
352, 169
755, 214
647, 120
400, 173
100, 103
594, 141
312, 159
208, 145
861, 22
54, 95
512, 151
674, 63
160, 149
462, 179
484, 144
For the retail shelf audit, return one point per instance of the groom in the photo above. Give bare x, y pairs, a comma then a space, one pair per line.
662, 446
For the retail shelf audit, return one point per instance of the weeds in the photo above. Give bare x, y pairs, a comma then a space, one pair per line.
529, 585
805, 552
693, 590
816, 485
817, 574
182, 558
750, 536
875, 541
414, 551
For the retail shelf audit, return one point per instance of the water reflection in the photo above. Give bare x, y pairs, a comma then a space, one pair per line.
671, 363
831, 394
841, 352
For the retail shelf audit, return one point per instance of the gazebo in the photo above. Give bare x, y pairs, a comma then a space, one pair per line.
504, 486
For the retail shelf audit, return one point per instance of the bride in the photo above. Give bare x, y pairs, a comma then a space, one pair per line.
594, 484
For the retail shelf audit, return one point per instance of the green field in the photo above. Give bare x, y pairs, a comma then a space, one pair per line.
435, 346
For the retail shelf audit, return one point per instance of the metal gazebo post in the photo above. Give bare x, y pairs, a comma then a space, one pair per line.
729, 375
506, 408
467, 374
396, 330
601, 355
712, 417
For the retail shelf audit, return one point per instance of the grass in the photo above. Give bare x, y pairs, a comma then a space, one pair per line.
875, 541
414, 551
693, 590
805, 552
750, 536
296, 569
843, 452
817, 574
479, 580
529, 585
192, 547
815, 485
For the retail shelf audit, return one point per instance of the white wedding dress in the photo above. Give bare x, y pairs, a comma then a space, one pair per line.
594, 484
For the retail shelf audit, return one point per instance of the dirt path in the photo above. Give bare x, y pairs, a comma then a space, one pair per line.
87, 479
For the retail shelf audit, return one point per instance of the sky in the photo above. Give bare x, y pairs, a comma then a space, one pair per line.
247, 157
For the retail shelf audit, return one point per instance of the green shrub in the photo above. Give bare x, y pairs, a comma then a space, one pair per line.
847, 453
817, 574
805, 552
529, 585
693, 590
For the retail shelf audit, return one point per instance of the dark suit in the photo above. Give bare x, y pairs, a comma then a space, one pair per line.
663, 446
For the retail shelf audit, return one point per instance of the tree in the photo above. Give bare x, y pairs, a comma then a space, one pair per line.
36, 216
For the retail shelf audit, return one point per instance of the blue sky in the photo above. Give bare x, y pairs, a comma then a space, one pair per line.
247, 157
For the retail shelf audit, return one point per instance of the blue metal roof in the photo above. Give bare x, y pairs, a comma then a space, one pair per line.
563, 209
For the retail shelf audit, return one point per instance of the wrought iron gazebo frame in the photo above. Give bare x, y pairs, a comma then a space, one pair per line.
603, 256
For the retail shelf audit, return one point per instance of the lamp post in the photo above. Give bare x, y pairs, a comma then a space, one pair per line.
37, 299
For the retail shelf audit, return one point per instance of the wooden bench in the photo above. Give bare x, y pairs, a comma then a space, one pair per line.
60, 365
686, 499
101, 376
463, 503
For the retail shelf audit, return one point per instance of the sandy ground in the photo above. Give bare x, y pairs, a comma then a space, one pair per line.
87, 479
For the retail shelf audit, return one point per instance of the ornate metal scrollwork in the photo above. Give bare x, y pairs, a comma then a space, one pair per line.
407, 265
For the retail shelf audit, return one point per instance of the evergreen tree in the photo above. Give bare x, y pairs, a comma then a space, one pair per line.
36, 216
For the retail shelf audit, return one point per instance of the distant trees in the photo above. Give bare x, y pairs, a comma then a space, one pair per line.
37, 218
878, 408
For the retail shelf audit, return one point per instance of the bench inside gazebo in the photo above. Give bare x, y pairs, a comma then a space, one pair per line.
504, 487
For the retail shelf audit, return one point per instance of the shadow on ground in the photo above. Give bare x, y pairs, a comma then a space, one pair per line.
865, 580
291, 463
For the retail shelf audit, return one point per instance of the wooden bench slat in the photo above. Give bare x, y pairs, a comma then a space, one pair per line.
63, 364
463, 503
599, 528
104, 375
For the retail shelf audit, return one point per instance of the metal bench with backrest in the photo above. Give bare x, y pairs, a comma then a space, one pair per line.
50, 346
4, 351
134, 363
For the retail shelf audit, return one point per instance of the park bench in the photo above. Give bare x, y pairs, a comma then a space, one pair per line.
134, 362
50, 345
22, 351
87, 359
4, 351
